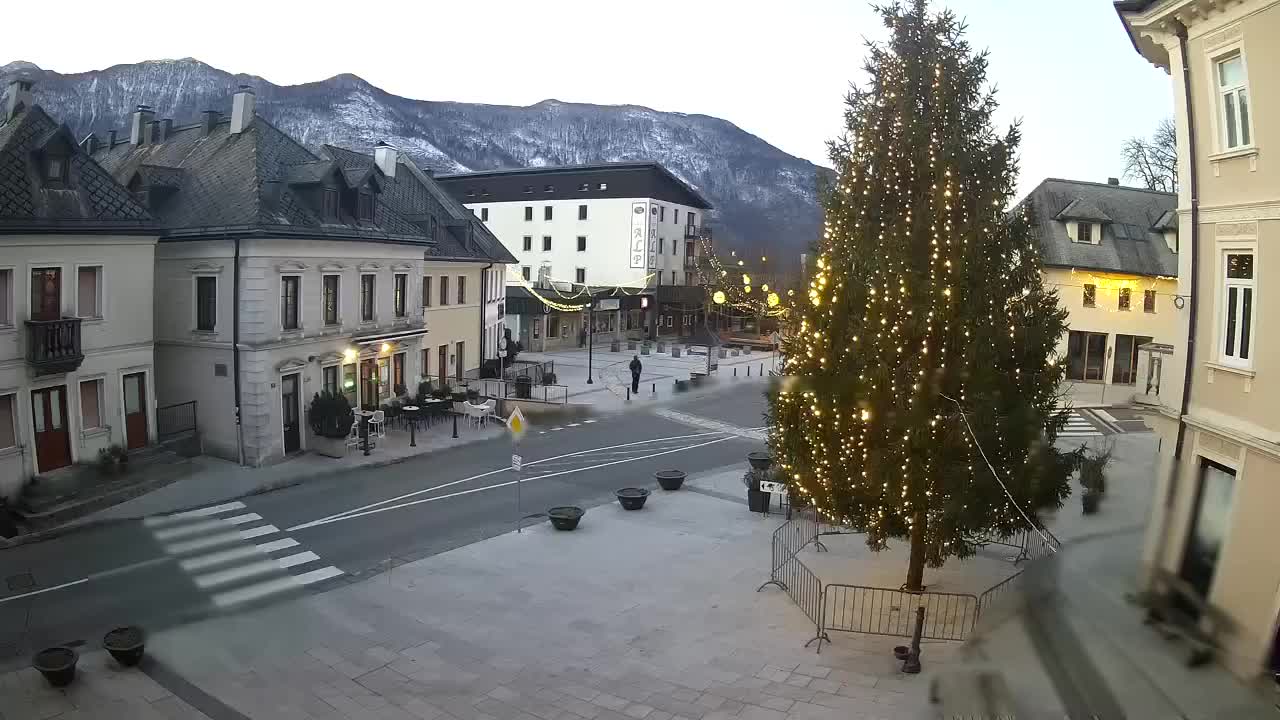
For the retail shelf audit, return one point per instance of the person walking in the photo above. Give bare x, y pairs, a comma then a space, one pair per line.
636, 367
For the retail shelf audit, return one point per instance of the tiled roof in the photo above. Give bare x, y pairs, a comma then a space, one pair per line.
1082, 209
1129, 241
90, 200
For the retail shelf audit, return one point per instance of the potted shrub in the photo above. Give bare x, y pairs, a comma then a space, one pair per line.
57, 665
566, 517
458, 395
401, 391
670, 479
760, 459
424, 391
631, 498
443, 392
549, 378
113, 460
473, 395
1093, 480
125, 644
330, 418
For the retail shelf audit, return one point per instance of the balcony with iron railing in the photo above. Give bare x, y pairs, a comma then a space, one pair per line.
53, 346
696, 232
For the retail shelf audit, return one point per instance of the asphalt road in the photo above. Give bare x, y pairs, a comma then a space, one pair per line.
339, 529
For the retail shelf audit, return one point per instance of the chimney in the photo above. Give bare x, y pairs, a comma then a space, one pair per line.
166, 129
19, 97
242, 109
208, 120
385, 157
1113, 181
90, 143
141, 117
111, 139
150, 132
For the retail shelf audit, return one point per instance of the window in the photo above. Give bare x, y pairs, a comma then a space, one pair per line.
426, 291
1149, 301
546, 243
582, 212
528, 189
1084, 232
548, 188
553, 326
329, 379
6, 297
462, 289
602, 186
397, 372
524, 272
460, 360
484, 192
8, 436
90, 405
583, 187
528, 213
206, 303
1124, 299
364, 206
484, 214
55, 168
89, 292
367, 304
401, 294
660, 241
329, 298
426, 362
688, 249
580, 276
675, 220
330, 204
289, 301
662, 213
1238, 308
1235, 103
691, 219
1090, 295
527, 243
673, 277
675, 247
444, 290
582, 243
349, 383
547, 212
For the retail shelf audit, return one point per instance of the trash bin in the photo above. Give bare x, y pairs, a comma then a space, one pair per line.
524, 387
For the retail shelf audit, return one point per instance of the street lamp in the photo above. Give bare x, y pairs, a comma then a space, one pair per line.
591, 335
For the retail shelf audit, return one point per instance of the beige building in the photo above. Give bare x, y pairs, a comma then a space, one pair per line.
1220, 440
76, 338
283, 272
1111, 253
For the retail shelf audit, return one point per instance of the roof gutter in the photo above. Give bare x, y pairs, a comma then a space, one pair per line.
235, 344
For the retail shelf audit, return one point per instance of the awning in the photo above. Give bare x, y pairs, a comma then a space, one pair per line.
395, 335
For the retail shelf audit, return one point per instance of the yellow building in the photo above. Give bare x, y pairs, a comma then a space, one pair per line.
1111, 253
1219, 484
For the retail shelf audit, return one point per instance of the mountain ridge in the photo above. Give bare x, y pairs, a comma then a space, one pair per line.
763, 196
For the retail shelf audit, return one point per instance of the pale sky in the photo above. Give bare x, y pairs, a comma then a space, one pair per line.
778, 70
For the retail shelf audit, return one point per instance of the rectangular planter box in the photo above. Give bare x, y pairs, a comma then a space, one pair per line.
675, 351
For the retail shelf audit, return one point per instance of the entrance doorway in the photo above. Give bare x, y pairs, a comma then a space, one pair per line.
49, 418
1125, 369
1086, 355
1208, 529
289, 413
135, 410
46, 293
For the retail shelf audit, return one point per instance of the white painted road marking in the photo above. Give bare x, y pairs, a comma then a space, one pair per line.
219, 558
182, 531
240, 572
298, 559
242, 519
273, 586
275, 545
201, 512
204, 543
44, 590
259, 531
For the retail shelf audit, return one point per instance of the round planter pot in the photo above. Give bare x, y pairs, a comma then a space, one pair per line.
1089, 503
901, 652
565, 517
57, 665
760, 460
670, 479
757, 500
125, 644
632, 498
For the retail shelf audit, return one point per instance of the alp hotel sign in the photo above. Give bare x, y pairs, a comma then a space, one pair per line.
639, 234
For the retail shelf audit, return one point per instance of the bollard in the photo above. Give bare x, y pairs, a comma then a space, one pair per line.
912, 663
748, 371
628, 394
654, 389
455, 425
761, 373
735, 372
364, 433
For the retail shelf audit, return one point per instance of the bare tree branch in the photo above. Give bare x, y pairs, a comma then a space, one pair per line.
1153, 162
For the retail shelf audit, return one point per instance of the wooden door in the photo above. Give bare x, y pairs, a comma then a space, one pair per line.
135, 410
46, 293
289, 413
49, 419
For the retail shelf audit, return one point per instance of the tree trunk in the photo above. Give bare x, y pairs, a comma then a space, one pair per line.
915, 569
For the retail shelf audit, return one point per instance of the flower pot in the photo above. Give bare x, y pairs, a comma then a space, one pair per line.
1089, 502
901, 652
632, 498
125, 644
329, 447
670, 479
57, 665
675, 351
682, 385
757, 500
662, 346
566, 517
760, 460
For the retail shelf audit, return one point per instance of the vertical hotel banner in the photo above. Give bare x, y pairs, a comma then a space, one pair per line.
639, 247
653, 236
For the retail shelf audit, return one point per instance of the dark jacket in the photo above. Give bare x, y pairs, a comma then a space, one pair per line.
635, 366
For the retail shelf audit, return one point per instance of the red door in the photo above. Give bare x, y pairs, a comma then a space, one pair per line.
135, 410
49, 417
46, 293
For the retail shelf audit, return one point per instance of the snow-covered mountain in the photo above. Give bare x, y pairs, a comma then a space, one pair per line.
765, 198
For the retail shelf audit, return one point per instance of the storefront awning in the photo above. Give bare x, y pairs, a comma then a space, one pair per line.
392, 336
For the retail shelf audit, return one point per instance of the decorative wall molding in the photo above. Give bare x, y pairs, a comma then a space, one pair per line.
332, 267
291, 266
205, 268
290, 365
331, 358
1236, 230
1223, 36
370, 266
1269, 210
402, 267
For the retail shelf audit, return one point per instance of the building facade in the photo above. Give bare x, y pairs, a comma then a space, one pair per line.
1220, 440
282, 273
1111, 253
76, 335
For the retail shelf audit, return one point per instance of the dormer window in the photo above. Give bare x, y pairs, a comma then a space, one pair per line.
364, 206
330, 204
55, 168
1084, 232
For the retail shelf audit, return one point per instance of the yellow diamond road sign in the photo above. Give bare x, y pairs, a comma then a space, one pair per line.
516, 424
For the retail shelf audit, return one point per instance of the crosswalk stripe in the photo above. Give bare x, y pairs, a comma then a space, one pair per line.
204, 543
298, 559
275, 545
259, 531
218, 558
187, 514
240, 572
316, 576
242, 519
255, 592
182, 531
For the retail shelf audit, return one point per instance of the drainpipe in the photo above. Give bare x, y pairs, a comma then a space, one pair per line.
1194, 188
235, 345
484, 305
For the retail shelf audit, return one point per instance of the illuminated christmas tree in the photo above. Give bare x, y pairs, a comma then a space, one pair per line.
922, 382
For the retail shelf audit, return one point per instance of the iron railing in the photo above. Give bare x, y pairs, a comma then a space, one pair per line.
506, 390
539, 372
53, 346
884, 611
173, 420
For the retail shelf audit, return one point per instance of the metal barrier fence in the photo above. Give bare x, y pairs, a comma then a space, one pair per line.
884, 611
794, 577
506, 389
536, 371
173, 420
